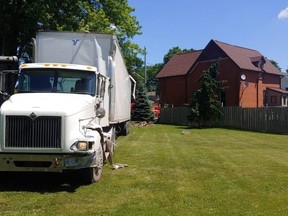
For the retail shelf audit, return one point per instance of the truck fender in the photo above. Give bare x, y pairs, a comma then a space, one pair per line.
96, 159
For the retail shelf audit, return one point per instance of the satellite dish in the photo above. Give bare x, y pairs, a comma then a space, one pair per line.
243, 76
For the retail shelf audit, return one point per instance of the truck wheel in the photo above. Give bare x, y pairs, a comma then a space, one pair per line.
93, 174
125, 129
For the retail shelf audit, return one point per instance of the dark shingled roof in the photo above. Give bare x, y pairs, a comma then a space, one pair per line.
245, 58
179, 64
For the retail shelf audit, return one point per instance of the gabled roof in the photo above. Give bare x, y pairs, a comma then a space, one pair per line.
248, 59
179, 64
244, 58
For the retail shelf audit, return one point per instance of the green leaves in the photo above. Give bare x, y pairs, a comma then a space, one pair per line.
23, 18
205, 105
142, 107
173, 51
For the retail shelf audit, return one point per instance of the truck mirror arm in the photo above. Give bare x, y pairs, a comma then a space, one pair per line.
5, 94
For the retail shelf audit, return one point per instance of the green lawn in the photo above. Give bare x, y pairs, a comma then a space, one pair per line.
201, 172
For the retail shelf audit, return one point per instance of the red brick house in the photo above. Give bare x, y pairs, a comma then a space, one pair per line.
251, 79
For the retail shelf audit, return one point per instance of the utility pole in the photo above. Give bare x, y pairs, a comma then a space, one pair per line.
145, 68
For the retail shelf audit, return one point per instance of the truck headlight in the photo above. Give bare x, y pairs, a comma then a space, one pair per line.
82, 146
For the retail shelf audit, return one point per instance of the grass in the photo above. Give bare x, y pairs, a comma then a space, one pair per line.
172, 171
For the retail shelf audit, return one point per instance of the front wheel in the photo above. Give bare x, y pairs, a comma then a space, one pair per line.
93, 174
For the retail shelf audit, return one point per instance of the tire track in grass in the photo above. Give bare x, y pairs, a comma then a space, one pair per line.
180, 167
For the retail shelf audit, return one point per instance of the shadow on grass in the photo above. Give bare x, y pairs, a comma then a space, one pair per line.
39, 182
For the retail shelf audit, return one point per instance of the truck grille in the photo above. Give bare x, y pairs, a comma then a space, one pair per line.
26, 132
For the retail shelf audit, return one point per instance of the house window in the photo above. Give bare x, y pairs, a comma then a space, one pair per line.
273, 99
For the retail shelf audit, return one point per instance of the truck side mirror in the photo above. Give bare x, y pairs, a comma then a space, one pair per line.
100, 112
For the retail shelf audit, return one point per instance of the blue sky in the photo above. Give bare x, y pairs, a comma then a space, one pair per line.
256, 24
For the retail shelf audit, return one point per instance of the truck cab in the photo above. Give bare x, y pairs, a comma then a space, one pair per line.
52, 122
67, 106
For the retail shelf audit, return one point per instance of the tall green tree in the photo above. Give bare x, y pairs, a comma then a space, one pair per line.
152, 82
131, 53
205, 105
141, 107
21, 19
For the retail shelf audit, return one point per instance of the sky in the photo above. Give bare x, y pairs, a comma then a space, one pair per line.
261, 25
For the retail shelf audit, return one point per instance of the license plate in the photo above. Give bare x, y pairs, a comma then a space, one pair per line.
71, 162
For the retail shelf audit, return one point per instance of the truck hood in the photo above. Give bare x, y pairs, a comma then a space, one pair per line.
56, 103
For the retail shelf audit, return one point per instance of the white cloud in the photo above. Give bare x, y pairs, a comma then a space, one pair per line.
283, 14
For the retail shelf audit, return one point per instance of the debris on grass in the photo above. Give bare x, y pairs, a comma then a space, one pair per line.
118, 166
143, 124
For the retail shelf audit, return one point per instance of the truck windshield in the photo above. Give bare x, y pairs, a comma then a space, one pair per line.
57, 80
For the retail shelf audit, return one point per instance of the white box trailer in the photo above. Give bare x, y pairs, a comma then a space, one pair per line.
68, 106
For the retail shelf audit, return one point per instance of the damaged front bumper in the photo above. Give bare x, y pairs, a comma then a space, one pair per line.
45, 163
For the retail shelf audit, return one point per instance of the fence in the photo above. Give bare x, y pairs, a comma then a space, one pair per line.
174, 116
267, 119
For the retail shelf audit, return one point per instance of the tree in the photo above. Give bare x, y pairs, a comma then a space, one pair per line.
142, 107
152, 82
275, 64
204, 105
21, 19
130, 52
173, 51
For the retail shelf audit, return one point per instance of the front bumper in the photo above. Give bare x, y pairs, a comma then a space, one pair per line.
45, 162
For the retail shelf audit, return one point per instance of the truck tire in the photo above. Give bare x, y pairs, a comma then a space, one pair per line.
125, 129
93, 174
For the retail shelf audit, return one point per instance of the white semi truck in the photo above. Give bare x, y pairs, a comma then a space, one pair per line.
68, 107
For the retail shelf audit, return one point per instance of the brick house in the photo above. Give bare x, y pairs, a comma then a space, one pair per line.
251, 79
